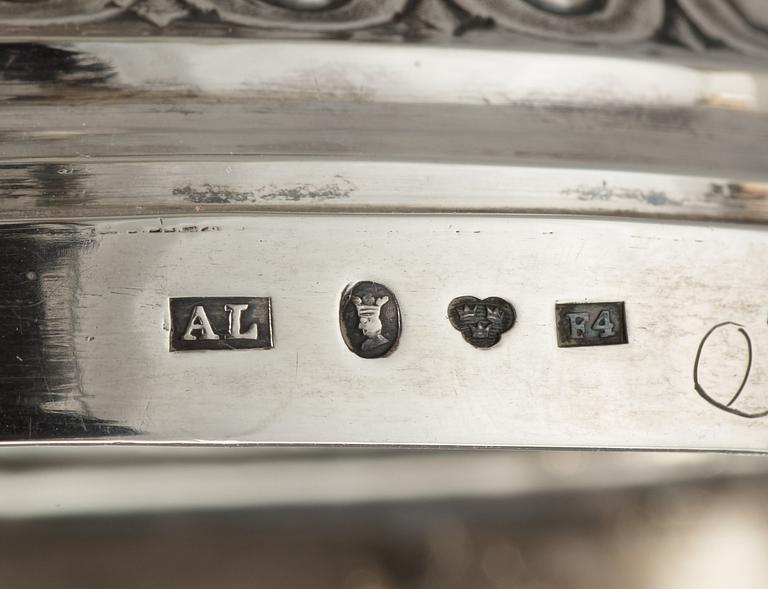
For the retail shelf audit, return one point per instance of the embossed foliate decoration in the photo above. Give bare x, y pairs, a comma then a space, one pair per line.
307, 15
611, 21
56, 12
159, 12
738, 24
741, 24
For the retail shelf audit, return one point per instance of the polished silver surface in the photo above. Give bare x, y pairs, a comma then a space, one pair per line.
228, 149
352, 127
356, 518
60, 482
153, 100
85, 353
227, 225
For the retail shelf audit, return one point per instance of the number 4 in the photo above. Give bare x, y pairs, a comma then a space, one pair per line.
604, 325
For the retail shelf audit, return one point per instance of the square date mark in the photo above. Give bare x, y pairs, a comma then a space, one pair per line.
590, 324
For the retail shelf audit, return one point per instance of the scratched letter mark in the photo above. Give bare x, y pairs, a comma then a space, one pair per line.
723, 361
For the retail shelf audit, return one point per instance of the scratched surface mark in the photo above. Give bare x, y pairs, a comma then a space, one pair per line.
40, 391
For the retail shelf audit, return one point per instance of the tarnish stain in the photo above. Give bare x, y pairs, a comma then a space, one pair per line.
742, 102
301, 192
40, 63
163, 229
605, 193
737, 194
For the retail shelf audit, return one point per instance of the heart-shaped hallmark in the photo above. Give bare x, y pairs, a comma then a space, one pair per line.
481, 322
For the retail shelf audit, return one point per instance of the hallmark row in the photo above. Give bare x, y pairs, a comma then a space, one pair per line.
370, 321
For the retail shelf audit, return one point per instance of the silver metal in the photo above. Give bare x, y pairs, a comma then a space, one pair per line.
405, 129
86, 349
509, 160
59, 482
698, 25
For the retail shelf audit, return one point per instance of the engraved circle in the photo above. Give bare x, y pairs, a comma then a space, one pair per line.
722, 367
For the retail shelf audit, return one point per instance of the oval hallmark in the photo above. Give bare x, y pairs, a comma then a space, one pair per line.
369, 318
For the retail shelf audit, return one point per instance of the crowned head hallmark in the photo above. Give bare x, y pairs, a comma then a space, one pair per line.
369, 317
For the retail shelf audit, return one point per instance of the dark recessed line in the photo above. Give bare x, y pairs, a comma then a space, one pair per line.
704, 395
743, 332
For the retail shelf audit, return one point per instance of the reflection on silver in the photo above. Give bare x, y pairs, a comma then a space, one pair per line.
86, 356
136, 480
305, 15
482, 158
619, 21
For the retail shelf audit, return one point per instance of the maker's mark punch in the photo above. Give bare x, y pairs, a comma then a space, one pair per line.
220, 323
